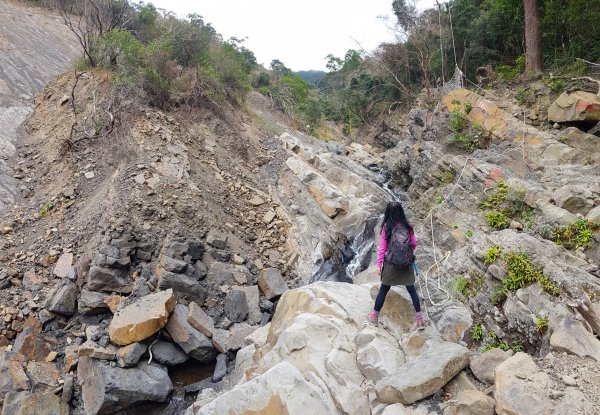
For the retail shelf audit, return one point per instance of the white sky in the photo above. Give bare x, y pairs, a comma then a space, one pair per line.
298, 33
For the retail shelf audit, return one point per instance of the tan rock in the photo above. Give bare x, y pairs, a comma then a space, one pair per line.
572, 337
63, 265
113, 302
91, 349
51, 356
201, 321
471, 402
484, 365
71, 357
575, 106
43, 373
141, 319
520, 387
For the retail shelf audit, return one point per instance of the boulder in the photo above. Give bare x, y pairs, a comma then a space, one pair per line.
177, 266
575, 106
141, 319
235, 305
37, 403
64, 265
520, 387
168, 354
91, 303
453, 323
130, 355
219, 273
220, 369
216, 239
272, 283
185, 288
109, 279
92, 349
378, 353
107, 389
280, 390
253, 302
594, 214
484, 365
188, 338
574, 198
572, 337
423, 376
64, 300
471, 402
200, 320
368, 276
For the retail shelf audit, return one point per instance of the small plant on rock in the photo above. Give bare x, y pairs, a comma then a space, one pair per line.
468, 107
578, 235
491, 254
556, 85
497, 220
476, 332
516, 346
469, 233
498, 296
48, 206
522, 272
461, 284
541, 324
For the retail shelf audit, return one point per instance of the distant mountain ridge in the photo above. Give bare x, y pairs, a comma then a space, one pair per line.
312, 76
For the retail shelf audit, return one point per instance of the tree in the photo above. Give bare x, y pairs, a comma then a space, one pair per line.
533, 42
90, 19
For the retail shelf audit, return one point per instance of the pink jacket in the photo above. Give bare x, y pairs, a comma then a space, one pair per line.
383, 245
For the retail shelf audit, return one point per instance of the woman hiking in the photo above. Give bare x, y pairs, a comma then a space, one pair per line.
395, 260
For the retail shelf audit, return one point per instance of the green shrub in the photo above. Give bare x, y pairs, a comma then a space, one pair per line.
556, 85
468, 107
46, 208
491, 254
469, 233
508, 72
522, 272
498, 296
458, 120
467, 141
521, 95
497, 220
578, 235
497, 198
461, 285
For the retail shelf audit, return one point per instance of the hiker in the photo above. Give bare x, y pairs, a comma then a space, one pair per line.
395, 260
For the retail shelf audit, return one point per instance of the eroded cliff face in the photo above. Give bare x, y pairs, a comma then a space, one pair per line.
35, 48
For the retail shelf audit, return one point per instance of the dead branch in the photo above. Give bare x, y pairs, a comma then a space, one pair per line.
587, 78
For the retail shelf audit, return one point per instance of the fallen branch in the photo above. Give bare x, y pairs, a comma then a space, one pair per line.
587, 78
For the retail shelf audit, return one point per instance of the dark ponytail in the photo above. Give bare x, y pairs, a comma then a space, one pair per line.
394, 214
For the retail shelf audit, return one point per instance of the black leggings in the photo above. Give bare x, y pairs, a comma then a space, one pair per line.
384, 289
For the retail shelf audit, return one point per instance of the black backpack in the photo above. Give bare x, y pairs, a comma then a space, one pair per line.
399, 251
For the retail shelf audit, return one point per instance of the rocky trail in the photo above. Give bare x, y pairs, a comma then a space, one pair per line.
213, 260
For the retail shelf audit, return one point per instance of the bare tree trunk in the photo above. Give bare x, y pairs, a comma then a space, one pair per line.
533, 41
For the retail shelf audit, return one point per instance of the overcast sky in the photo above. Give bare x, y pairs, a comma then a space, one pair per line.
298, 33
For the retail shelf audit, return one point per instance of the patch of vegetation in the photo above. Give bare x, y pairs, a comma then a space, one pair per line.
461, 285
458, 120
516, 346
564, 139
578, 235
522, 96
556, 85
505, 204
522, 272
497, 220
476, 332
469, 233
439, 199
541, 324
454, 225
468, 107
467, 141
492, 254
508, 72
46, 208
499, 296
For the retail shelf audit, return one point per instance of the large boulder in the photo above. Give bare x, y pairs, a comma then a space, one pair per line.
572, 337
64, 299
520, 387
272, 283
471, 402
168, 354
109, 279
574, 198
280, 390
378, 354
236, 306
575, 106
424, 375
106, 389
484, 365
185, 288
188, 338
37, 403
142, 318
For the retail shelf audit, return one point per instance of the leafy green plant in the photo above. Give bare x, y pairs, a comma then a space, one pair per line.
468, 107
522, 272
498, 296
516, 346
508, 72
467, 141
444, 176
564, 139
454, 225
521, 95
494, 200
503, 346
46, 208
439, 199
458, 120
476, 332
461, 285
528, 218
497, 220
541, 324
477, 279
578, 235
491, 254
556, 85
469, 233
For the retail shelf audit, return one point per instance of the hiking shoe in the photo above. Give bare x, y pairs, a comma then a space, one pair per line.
420, 321
373, 317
